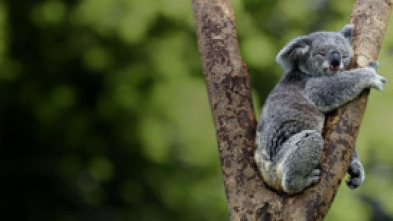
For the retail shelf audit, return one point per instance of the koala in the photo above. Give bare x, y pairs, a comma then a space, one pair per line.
316, 81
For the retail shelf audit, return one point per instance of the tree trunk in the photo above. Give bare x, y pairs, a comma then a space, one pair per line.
229, 91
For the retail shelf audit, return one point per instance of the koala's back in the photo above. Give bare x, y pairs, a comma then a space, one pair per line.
287, 112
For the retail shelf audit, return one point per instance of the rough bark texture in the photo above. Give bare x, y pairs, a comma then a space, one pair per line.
229, 90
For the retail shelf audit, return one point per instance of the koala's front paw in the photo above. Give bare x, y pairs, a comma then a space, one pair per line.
376, 81
373, 64
356, 175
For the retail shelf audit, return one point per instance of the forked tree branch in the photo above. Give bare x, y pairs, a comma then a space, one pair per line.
229, 91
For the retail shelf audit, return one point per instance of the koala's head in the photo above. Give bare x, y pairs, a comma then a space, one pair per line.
319, 52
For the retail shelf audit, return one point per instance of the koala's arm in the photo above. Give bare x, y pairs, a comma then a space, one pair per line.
332, 91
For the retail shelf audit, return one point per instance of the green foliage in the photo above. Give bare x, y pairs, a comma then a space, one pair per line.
104, 113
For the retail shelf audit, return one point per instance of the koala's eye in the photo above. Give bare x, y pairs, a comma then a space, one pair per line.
321, 53
345, 55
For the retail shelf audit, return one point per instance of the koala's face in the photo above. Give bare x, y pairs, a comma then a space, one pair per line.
329, 53
318, 53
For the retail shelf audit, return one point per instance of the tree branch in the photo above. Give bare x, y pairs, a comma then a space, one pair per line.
229, 91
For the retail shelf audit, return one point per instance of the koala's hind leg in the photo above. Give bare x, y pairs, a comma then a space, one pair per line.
355, 171
299, 161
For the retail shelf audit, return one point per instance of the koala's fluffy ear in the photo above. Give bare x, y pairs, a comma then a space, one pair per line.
347, 32
293, 51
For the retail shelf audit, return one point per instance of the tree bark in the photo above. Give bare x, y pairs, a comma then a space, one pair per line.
229, 91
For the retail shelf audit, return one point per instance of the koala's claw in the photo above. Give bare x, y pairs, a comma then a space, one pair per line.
357, 175
312, 180
316, 172
354, 183
373, 64
377, 82
314, 177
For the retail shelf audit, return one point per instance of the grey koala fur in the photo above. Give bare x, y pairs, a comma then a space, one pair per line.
288, 139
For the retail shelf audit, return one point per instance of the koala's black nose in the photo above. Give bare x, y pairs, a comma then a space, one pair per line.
335, 59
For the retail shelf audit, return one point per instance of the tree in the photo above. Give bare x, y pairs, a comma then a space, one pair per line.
230, 98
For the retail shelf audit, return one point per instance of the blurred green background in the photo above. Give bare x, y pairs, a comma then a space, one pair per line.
104, 113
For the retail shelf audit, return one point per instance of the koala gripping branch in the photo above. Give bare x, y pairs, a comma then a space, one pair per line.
370, 18
229, 90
